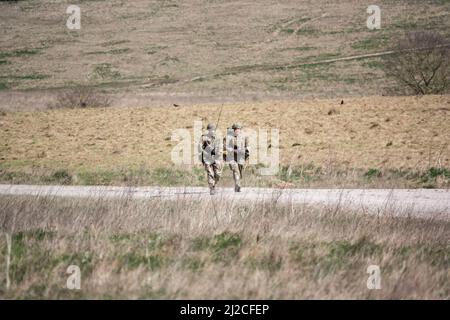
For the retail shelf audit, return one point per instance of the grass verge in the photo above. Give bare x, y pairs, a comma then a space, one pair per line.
308, 176
217, 249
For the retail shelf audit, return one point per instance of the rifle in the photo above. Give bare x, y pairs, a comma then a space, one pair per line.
220, 113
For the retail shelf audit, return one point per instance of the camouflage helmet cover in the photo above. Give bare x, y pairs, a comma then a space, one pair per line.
236, 126
210, 127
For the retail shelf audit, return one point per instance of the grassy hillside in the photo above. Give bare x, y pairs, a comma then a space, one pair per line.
245, 48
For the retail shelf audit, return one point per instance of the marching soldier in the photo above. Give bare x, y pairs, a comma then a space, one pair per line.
210, 151
236, 153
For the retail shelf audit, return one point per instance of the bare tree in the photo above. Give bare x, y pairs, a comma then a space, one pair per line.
421, 63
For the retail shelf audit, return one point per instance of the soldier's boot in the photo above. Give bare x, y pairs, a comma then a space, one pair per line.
237, 188
212, 191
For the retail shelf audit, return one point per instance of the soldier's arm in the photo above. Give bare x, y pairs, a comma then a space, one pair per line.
247, 151
224, 148
206, 141
218, 149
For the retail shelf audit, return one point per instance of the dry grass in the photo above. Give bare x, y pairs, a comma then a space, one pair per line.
403, 133
216, 249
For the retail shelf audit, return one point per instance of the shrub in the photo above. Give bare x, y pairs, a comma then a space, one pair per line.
81, 98
372, 173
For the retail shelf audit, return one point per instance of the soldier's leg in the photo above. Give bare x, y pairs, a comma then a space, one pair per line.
218, 167
236, 175
241, 168
210, 175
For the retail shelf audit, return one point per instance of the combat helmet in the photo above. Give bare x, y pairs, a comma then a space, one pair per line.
236, 126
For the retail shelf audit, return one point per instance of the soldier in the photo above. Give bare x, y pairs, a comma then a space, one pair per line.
237, 153
210, 149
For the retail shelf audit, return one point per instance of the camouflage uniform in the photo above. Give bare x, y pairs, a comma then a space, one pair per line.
210, 151
236, 154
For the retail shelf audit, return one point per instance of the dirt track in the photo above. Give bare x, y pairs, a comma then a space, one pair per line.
424, 203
